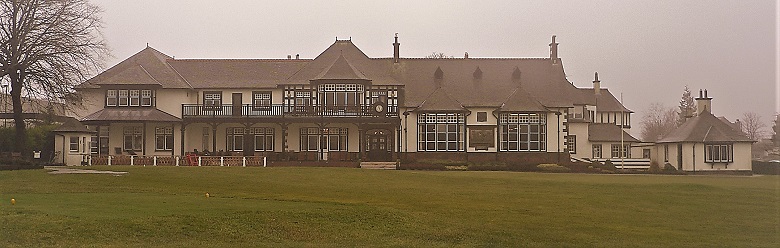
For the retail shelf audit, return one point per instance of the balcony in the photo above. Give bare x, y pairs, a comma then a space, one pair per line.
280, 110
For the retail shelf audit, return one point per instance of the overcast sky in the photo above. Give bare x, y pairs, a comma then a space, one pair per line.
646, 50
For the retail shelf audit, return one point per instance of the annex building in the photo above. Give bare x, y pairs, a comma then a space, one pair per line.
346, 106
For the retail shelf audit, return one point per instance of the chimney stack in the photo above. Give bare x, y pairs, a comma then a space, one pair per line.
554, 51
597, 85
297, 56
465, 56
703, 103
289, 56
396, 52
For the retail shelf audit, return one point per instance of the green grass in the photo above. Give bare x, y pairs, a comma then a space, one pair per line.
338, 207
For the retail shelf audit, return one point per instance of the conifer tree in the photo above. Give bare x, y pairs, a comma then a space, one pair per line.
687, 106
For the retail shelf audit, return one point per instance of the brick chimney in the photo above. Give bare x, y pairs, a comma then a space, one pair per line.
396, 49
597, 85
554, 51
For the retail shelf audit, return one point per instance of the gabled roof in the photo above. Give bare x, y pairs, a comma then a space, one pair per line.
439, 100
471, 82
146, 67
71, 125
341, 69
522, 101
130, 115
705, 128
604, 102
607, 132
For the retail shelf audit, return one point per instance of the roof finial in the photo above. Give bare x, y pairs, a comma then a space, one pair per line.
147, 44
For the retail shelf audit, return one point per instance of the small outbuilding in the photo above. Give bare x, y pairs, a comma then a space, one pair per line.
73, 139
705, 143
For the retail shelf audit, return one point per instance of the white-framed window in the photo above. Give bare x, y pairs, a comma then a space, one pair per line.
163, 137
133, 138
718, 153
146, 98
333, 139
523, 132
616, 152
597, 151
212, 99
111, 98
261, 100
440, 132
74, 144
264, 139
235, 139
135, 98
123, 98
666, 153
571, 143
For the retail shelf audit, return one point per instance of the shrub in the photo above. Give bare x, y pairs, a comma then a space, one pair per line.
553, 168
421, 166
489, 166
443, 162
669, 168
654, 168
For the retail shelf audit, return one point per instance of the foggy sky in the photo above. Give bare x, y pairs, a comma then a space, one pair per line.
646, 50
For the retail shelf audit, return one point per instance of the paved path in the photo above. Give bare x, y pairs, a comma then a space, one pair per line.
67, 170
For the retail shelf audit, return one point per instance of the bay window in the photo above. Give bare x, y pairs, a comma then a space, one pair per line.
440, 132
523, 132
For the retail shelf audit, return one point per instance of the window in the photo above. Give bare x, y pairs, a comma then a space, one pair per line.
235, 139
597, 151
481, 116
646, 153
333, 139
163, 137
205, 140
302, 101
341, 94
133, 138
261, 100
616, 152
74, 144
123, 98
523, 132
264, 139
666, 153
146, 98
131, 98
718, 153
135, 98
571, 143
111, 98
440, 132
212, 99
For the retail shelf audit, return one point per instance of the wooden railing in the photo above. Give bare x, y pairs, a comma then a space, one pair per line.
278, 110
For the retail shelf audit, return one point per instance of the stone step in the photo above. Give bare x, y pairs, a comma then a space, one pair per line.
378, 165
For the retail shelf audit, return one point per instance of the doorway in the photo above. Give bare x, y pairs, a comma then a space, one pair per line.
377, 144
237, 98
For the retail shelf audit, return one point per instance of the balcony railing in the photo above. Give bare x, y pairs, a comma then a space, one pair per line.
249, 110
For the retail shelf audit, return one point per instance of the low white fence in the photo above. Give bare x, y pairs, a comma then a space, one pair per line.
189, 160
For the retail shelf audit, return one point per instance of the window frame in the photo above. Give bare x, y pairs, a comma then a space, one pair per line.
164, 134
441, 132
135, 135
718, 152
597, 151
112, 94
571, 143
74, 146
262, 100
523, 132
212, 100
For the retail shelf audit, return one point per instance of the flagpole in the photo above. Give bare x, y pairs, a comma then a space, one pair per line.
622, 145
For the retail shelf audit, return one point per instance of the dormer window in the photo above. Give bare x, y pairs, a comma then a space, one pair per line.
146, 98
123, 99
135, 98
111, 98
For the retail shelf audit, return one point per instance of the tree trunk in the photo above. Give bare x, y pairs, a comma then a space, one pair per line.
16, 98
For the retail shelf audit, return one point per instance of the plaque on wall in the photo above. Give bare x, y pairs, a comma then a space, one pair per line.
481, 136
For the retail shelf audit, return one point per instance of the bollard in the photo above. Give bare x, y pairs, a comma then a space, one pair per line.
198, 160
154, 160
264, 161
243, 161
109, 159
132, 157
177, 160
221, 161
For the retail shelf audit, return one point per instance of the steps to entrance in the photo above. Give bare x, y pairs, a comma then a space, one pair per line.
378, 165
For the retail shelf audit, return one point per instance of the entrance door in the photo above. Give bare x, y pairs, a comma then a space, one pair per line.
236, 104
679, 156
377, 145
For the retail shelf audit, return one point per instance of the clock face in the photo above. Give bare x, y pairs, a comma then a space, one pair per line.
379, 108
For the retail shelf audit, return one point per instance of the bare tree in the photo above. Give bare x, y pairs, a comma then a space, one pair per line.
437, 55
657, 122
46, 48
687, 107
752, 126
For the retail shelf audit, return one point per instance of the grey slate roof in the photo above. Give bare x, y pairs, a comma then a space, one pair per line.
130, 115
606, 132
71, 125
705, 128
496, 80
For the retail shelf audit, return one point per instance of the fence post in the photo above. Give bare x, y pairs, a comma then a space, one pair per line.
154, 160
132, 158
177, 160
243, 161
221, 161
199, 160
109, 159
264, 157
89, 160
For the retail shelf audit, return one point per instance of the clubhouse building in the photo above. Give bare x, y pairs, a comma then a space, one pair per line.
345, 106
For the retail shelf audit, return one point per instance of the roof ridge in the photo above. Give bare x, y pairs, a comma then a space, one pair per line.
469, 58
240, 59
148, 74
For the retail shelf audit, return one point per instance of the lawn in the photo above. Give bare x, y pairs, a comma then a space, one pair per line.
338, 207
